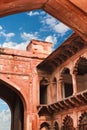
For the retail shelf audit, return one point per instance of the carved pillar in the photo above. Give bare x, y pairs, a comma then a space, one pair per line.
60, 84
75, 120
74, 80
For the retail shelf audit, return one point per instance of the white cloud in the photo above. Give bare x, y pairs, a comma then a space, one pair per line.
20, 46
8, 44
3, 103
48, 20
1, 27
7, 36
51, 39
29, 36
26, 38
54, 25
61, 28
5, 119
32, 13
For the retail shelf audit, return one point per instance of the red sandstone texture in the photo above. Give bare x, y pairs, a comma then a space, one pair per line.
47, 91
19, 79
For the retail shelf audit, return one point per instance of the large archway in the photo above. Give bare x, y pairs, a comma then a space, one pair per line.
9, 95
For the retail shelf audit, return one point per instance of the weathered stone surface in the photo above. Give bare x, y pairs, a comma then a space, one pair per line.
42, 90
63, 75
19, 82
80, 4
22, 80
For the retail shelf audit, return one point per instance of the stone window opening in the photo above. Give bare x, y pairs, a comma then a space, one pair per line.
67, 86
44, 126
83, 121
56, 126
43, 91
68, 90
81, 76
68, 123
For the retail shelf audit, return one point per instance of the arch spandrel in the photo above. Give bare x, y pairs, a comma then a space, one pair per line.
16, 89
10, 93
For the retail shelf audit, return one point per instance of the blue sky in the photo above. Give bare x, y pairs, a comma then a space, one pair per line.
16, 31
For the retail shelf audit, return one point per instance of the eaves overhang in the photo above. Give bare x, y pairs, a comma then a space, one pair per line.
70, 47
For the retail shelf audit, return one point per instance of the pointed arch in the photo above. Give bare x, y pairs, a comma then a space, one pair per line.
80, 71
82, 61
83, 121
44, 126
43, 91
56, 126
67, 86
12, 94
68, 123
14, 87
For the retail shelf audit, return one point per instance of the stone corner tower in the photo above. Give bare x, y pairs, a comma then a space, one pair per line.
37, 47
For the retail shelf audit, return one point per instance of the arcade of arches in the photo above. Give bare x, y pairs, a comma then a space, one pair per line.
64, 97
47, 93
42, 98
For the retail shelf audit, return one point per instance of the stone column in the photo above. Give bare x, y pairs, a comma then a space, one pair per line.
74, 81
75, 120
59, 88
28, 124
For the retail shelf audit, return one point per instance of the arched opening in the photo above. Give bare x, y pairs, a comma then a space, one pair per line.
13, 99
43, 91
5, 116
83, 121
81, 76
56, 126
44, 126
67, 88
68, 123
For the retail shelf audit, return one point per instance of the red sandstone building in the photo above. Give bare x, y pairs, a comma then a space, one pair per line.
47, 91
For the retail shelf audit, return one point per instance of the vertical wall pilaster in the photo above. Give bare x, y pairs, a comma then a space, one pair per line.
59, 88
